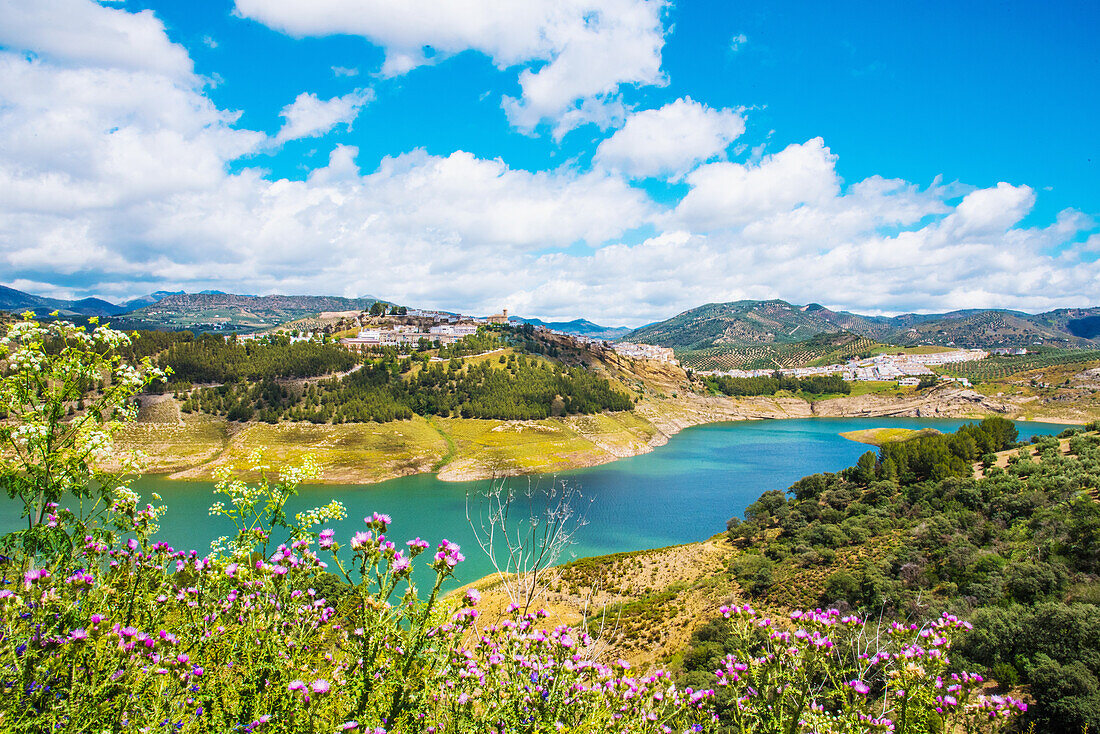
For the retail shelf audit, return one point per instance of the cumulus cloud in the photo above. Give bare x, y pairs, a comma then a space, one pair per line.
726, 193
670, 141
575, 54
122, 178
309, 116
81, 33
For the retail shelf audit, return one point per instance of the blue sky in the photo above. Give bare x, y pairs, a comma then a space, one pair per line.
619, 160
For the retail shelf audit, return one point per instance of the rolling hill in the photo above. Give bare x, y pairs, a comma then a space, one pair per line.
228, 312
580, 327
741, 323
16, 301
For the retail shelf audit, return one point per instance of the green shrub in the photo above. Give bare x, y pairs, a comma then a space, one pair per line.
754, 572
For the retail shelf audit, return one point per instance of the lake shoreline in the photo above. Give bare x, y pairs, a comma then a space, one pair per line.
682, 494
462, 450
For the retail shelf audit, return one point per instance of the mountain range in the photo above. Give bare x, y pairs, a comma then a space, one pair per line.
713, 325
779, 322
18, 302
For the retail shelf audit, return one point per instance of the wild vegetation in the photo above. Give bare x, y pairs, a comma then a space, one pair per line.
742, 386
107, 628
512, 387
1016, 549
210, 358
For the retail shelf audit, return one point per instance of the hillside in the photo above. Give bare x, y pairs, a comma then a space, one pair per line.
824, 348
986, 329
1080, 322
16, 301
723, 326
224, 311
740, 322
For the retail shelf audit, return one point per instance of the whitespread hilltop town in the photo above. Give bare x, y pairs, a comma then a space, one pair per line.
906, 369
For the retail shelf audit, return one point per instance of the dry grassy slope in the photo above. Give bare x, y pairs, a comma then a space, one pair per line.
1003, 456
1073, 395
643, 606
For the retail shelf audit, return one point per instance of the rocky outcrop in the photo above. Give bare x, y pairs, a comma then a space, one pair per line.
943, 402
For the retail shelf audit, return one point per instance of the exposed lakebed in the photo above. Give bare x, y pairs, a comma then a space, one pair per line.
679, 493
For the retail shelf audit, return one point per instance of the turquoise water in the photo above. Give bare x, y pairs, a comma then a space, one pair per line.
682, 492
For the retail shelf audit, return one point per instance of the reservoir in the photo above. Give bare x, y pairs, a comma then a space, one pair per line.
681, 492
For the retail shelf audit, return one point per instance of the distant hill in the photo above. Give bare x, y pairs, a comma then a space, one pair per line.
742, 323
993, 328
579, 327
148, 299
16, 301
228, 312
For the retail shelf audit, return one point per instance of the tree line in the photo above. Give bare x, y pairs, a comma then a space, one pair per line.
210, 358
753, 386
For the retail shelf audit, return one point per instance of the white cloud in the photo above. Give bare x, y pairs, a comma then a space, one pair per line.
670, 141
119, 177
727, 193
310, 117
576, 54
345, 71
738, 42
81, 33
991, 210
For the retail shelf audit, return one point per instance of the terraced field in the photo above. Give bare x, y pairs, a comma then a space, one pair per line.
992, 368
768, 356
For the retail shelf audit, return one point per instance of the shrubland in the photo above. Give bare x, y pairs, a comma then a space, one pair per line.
916, 530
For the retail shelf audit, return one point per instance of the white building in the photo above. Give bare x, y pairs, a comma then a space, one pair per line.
645, 351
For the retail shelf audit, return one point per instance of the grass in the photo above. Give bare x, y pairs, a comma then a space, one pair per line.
881, 436
348, 453
619, 434
451, 448
174, 446
487, 447
194, 445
